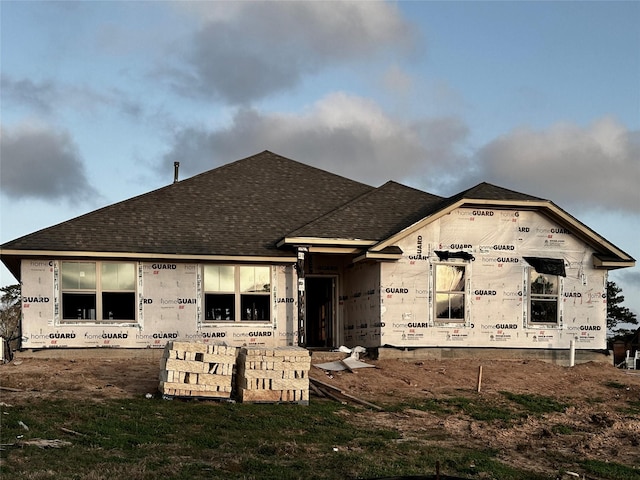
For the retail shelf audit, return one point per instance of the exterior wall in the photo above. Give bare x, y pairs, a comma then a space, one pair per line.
170, 307
388, 303
359, 305
497, 297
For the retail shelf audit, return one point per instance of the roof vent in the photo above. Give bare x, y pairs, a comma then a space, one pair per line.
176, 167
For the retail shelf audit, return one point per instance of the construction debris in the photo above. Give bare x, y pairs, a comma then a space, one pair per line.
37, 442
350, 363
339, 395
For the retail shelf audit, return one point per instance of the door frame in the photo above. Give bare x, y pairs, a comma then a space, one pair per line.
333, 335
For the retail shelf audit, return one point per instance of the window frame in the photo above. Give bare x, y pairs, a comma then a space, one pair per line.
240, 312
449, 321
97, 293
544, 298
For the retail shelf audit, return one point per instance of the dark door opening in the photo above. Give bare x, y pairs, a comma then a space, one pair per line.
319, 315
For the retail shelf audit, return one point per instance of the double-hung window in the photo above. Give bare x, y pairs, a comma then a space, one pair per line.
450, 281
544, 289
99, 292
237, 293
543, 299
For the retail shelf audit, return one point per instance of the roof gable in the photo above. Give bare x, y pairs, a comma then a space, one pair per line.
491, 196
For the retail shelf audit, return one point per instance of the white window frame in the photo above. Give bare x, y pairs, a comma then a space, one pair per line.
240, 293
554, 297
98, 288
454, 322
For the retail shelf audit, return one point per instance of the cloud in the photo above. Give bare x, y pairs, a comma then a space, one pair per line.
246, 51
593, 167
347, 135
39, 162
50, 97
25, 92
397, 80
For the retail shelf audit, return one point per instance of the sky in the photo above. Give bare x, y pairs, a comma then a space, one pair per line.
98, 99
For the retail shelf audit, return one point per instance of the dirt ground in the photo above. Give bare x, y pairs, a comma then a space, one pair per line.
594, 426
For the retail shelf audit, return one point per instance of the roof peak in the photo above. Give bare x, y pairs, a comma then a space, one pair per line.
489, 191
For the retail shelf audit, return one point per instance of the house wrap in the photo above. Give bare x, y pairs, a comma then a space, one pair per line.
269, 251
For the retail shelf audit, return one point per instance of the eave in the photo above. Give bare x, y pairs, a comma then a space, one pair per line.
319, 242
378, 256
608, 263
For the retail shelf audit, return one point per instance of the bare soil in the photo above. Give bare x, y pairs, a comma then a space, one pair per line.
600, 423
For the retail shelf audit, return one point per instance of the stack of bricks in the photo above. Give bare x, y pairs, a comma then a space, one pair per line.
272, 375
197, 370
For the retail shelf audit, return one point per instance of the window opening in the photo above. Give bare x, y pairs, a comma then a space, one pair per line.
219, 287
543, 299
450, 281
98, 292
229, 289
544, 288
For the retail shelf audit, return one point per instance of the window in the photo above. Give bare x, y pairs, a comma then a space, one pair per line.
234, 293
98, 291
450, 281
544, 287
543, 300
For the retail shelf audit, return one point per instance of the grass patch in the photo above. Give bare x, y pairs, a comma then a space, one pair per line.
616, 385
481, 410
489, 410
595, 400
535, 404
560, 429
148, 439
632, 408
610, 470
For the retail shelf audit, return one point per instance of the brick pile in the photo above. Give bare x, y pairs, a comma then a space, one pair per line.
270, 375
197, 370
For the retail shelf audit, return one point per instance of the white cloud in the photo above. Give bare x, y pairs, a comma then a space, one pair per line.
397, 80
245, 51
50, 97
344, 134
593, 167
40, 162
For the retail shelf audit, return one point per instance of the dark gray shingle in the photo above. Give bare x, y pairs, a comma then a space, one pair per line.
242, 208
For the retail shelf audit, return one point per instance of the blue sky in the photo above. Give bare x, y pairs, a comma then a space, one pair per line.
98, 99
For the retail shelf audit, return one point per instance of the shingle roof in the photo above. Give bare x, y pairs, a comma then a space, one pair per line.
247, 207
487, 191
481, 191
242, 208
374, 215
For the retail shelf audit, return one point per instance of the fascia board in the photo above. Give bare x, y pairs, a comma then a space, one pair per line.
317, 241
336, 250
589, 235
612, 264
144, 256
377, 256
